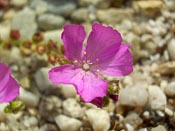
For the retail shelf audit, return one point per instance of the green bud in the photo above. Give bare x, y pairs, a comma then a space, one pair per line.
14, 107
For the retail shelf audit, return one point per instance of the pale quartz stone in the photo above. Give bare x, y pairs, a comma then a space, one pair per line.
99, 119
72, 108
157, 99
66, 123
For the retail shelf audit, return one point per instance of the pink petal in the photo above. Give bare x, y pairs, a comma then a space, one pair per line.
120, 65
9, 88
87, 84
4, 75
98, 102
103, 43
73, 37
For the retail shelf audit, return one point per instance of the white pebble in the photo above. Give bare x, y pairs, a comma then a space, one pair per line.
99, 119
66, 123
72, 108
157, 99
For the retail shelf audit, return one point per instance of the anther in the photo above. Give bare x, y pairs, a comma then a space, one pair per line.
84, 52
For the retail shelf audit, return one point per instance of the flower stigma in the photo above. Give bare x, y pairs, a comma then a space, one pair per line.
86, 67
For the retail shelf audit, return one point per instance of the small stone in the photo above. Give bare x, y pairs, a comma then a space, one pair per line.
159, 128
29, 98
49, 107
149, 8
80, 15
72, 108
97, 3
157, 99
108, 15
168, 111
50, 21
170, 89
21, 22
99, 119
68, 90
4, 32
25, 82
33, 121
19, 3
129, 127
41, 78
9, 14
171, 47
66, 123
54, 35
138, 96
167, 68
2, 113
133, 119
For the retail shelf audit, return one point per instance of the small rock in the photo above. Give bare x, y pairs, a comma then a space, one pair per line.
148, 8
54, 35
28, 98
97, 3
25, 82
2, 113
129, 127
170, 89
49, 107
68, 90
19, 3
157, 99
39, 6
99, 119
41, 78
166, 68
66, 123
4, 32
171, 47
48, 127
80, 15
108, 16
133, 119
72, 108
159, 128
168, 111
58, 7
9, 15
21, 22
133, 39
138, 96
50, 22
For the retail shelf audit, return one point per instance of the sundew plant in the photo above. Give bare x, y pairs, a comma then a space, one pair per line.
84, 64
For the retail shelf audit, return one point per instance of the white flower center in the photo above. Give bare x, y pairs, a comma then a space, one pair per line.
86, 66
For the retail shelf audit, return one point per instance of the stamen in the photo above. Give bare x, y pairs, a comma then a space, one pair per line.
97, 70
84, 52
75, 61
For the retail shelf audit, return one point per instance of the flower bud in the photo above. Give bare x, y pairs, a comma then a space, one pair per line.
15, 34
38, 37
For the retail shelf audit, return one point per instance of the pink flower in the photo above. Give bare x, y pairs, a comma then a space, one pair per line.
9, 88
103, 53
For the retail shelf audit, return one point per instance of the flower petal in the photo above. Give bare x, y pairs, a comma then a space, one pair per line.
4, 75
88, 85
73, 37
120, 65
103, 42
9, 88
98, 102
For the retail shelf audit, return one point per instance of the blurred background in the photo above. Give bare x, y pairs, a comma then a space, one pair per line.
30, 43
